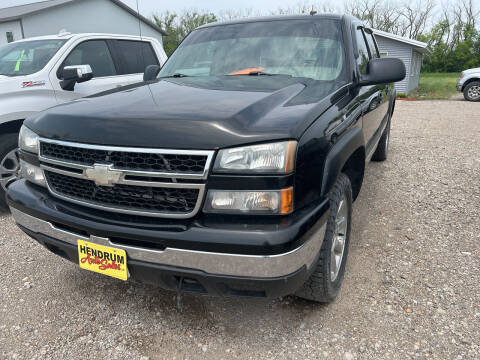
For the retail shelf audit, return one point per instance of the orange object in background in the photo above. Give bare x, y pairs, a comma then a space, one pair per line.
247, 71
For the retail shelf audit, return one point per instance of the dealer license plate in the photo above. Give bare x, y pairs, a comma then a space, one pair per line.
103, 259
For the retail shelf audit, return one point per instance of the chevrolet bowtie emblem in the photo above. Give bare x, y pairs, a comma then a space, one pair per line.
103, 175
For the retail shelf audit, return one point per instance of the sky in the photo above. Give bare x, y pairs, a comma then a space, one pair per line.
147, 7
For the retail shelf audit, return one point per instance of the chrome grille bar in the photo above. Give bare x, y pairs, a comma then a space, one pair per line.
76, 170
199, 176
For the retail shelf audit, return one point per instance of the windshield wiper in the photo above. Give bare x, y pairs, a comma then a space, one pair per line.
176, 75
259, 73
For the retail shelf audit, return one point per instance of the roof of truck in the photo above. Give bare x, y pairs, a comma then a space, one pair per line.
68, 36
274, 18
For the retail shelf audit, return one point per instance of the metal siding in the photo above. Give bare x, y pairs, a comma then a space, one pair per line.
88, 16
401, 51
15, 12
12, 26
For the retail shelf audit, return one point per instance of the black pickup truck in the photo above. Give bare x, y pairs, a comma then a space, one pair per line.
230, 171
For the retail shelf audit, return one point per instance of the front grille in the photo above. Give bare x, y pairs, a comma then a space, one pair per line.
136, 161
126, 197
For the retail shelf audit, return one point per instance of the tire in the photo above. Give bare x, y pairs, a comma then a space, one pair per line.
471, 92
381, 153
322, 286
9, 164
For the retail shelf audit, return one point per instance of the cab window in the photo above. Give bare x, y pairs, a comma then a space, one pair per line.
363, 51
372, 45
135, 56
94, 53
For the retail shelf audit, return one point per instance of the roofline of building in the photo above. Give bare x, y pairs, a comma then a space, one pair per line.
116, 2
19, 17
139, 16
415, 43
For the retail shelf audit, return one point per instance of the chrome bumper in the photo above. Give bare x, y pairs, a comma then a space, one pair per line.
212, 263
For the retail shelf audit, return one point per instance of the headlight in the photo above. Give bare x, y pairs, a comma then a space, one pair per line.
279, 202
28, 140
265, 158
32, 173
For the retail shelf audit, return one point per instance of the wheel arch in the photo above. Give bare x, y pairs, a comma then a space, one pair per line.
12, 126
477, 78
347, 156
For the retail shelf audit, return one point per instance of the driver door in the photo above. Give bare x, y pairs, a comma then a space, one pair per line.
374, 98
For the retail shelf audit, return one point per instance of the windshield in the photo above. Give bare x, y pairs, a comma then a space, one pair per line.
27, 57
298, 48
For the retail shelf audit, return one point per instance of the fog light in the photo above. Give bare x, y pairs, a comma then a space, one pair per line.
32, 173
250, 202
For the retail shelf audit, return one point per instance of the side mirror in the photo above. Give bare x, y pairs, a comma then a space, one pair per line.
75, 74
382, 71
151, 72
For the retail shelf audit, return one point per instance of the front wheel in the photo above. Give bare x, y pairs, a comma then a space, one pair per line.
9, 164
326, 279
471, 92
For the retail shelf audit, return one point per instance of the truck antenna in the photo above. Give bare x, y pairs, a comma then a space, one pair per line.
139, 21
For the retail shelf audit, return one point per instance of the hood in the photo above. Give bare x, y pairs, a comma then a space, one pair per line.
469, 71
186, 114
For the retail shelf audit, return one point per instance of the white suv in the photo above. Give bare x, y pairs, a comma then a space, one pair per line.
38, 73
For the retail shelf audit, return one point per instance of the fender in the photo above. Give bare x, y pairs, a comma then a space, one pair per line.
22, 104
338, 156
8, 118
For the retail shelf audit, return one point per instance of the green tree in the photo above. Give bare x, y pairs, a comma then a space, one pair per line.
178, 26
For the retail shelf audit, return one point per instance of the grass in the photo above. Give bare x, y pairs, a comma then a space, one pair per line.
435, 86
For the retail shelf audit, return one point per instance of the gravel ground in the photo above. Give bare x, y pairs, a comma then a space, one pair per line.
411, 288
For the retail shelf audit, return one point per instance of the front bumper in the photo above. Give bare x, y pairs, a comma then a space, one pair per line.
459, 86
219, 273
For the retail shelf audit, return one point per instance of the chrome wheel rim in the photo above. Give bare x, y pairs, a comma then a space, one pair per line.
339, 239
9, 168
474, 92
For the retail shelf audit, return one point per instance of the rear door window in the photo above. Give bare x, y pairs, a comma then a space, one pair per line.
94, 53
135, 56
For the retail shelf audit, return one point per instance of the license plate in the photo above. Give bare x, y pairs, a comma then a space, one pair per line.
103, 259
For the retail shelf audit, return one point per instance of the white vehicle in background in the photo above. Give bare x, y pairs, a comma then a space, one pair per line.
38, 73
469, 84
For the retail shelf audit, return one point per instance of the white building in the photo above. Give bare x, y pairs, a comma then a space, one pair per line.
75, 16
408, 50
